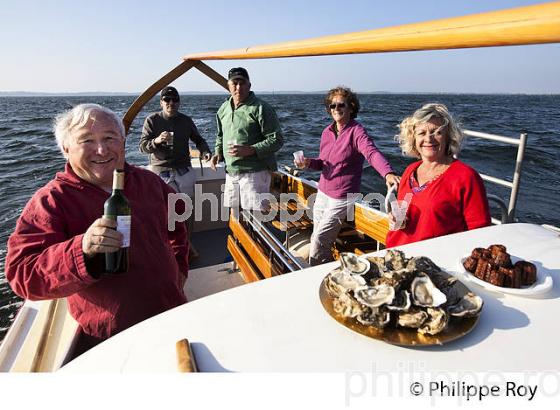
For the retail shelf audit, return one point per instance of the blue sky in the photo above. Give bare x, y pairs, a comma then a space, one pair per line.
73, 46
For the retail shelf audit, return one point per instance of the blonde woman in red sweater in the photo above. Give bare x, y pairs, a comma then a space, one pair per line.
446, 195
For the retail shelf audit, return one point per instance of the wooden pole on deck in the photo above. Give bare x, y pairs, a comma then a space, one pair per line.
537, 24
185, 357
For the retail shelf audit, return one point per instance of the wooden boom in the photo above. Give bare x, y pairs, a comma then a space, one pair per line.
535, 24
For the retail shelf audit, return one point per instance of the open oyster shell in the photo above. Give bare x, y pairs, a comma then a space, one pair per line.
468, 306
342, 282
375, 296
353, 264
425, 293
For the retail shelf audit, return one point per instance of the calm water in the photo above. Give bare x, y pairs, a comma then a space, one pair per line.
30, 157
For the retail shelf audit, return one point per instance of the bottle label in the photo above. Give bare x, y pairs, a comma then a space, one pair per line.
124, 223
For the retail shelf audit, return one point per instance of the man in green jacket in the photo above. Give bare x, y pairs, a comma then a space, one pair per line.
249, 134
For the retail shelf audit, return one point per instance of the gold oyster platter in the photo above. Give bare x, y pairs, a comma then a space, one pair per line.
399, 300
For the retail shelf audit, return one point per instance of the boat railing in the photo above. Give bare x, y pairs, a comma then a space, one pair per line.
273, 244
508, 210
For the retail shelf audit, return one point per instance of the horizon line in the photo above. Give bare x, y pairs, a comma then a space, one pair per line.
317, 92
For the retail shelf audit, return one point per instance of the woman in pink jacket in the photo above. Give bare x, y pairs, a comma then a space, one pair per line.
344, 146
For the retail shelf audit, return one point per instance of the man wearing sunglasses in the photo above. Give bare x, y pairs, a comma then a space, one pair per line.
248, 137
165, 138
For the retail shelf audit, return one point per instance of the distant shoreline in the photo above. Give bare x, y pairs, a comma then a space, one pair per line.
124, 94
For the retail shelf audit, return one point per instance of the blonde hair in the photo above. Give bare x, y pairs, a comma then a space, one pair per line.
78, 117
407, 138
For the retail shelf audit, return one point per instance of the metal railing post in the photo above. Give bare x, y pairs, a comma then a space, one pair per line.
517, 176
514, 185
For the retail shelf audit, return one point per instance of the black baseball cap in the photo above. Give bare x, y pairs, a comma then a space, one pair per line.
238, 72
170, 92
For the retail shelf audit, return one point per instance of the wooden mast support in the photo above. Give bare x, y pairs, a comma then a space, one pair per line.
537, 24
167, 79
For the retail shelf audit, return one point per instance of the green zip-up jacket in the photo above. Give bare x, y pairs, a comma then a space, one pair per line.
253, 123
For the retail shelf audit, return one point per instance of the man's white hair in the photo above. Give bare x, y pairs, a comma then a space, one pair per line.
78, 117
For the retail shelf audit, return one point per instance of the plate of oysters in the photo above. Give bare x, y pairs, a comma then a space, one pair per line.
402, 301
495, 269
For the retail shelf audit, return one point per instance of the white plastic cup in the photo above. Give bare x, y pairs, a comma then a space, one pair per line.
170, 140
231, 144
298, 157
398, 210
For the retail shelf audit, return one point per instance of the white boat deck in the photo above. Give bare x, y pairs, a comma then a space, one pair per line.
211, 279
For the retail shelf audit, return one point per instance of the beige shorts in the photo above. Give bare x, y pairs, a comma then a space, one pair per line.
246, 189
181, 180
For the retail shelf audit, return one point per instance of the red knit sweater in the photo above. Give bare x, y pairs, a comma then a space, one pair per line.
45, 258
454, 202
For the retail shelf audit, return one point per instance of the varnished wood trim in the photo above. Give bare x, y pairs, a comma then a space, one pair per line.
249, 273
535, 24
371, 224
212, 74
302, 190
167, 79
152, 90
185, 357
252, 248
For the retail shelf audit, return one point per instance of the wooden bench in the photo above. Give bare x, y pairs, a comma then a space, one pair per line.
290, 208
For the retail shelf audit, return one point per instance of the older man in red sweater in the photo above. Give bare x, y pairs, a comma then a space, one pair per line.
57, 247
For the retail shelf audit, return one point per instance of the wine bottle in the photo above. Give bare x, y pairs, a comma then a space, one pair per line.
118, 209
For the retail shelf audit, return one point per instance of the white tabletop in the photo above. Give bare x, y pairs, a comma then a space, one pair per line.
279, 324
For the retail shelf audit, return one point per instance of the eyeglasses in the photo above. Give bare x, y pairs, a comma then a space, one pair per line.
168, 99
337, 105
